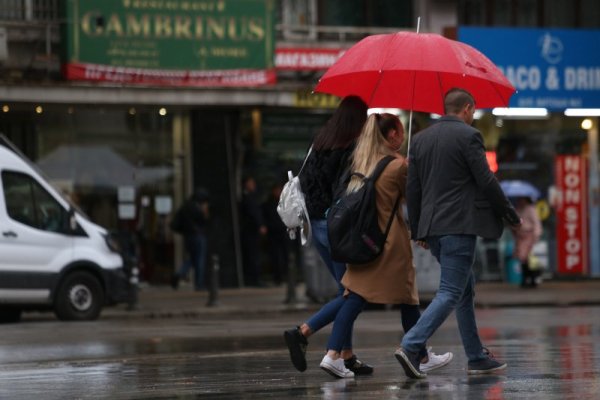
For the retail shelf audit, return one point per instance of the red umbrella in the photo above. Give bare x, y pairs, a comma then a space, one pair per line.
413, 71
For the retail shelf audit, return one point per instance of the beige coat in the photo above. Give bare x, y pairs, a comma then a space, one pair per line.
390, 279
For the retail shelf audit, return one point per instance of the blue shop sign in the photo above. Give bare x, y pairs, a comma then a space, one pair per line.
551, 68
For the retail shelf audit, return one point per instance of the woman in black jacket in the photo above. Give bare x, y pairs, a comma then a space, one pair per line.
330, 155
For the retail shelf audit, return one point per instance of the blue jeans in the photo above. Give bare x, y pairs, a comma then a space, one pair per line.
321, 243
328, 312
349, 311
351, 306
456, 254
195, 246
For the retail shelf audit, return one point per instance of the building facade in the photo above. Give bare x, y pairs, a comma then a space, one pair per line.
130, 146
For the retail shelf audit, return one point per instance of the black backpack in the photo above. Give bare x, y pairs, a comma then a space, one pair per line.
352, 221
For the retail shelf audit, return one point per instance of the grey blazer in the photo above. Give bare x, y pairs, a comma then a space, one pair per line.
450, 188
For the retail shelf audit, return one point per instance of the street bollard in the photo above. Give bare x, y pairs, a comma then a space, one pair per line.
213, 289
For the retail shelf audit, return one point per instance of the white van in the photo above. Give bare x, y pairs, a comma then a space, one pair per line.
51, 255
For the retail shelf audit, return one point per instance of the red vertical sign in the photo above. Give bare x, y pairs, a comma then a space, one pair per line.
571, 215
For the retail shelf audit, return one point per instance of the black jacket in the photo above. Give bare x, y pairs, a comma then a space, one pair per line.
320, 177
451, 189
192, 218
251, 213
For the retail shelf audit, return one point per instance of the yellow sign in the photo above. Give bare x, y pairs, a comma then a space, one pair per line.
543, 209
308, 99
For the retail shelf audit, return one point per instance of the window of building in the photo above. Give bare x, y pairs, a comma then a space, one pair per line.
378, 13
590, 18
529, 13
560, 13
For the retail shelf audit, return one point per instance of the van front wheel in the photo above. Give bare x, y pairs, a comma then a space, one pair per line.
79, 298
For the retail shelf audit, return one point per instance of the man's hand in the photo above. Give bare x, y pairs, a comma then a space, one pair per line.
422, 243
513, 219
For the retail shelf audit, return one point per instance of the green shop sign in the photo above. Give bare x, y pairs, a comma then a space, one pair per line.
170, 38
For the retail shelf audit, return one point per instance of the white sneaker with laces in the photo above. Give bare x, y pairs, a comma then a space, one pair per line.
336, 367
435, 361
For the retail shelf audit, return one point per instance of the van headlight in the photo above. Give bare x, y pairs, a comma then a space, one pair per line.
112, 243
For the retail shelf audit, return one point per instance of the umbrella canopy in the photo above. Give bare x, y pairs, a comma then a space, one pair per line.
413, 71
517, 188
98, 166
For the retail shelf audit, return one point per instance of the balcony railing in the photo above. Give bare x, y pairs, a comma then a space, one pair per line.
30, 11
302, 33
46, 12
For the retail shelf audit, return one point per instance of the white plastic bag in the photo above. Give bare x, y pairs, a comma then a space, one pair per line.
292, 210
292, 207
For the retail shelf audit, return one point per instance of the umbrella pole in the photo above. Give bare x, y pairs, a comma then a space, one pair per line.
410, 118
409, 132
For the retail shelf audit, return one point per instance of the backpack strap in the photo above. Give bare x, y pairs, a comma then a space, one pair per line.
394, 211
381, 166
374, 175
305, 158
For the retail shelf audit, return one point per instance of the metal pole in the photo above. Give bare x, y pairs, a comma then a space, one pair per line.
235, 219
410, 117
594, 201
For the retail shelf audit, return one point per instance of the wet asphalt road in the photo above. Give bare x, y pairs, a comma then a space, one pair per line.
553, 353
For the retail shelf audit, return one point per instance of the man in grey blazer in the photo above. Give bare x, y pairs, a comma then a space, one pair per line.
452, 197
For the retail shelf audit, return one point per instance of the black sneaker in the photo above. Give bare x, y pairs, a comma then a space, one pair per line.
410, 362
296, 343
485, 366
357, 366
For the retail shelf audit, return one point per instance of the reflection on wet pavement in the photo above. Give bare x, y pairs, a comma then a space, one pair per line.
550, 357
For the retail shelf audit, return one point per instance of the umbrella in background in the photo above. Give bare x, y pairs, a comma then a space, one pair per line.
413, 71
98, 165
518, 188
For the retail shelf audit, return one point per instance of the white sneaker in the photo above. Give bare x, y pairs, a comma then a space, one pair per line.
435, 361
336, 367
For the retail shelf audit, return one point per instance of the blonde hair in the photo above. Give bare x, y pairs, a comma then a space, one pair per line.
371, 145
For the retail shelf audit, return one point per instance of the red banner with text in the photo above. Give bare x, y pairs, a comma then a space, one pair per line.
571, 215
125, 75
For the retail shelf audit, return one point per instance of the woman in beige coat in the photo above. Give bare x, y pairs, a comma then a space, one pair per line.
391, 278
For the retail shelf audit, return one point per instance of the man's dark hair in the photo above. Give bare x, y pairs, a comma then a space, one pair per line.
344, 126
456, 99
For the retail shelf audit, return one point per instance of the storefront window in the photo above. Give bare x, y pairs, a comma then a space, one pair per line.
115, 163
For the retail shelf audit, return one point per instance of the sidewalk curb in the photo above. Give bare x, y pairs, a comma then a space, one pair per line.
164, 303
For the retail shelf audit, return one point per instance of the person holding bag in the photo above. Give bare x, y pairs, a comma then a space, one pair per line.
391, 277
322, 169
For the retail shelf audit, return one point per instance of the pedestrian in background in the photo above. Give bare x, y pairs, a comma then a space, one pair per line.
251, 229
452, 198
191, 220
331, 150
525, 238
278, 242
391, 277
